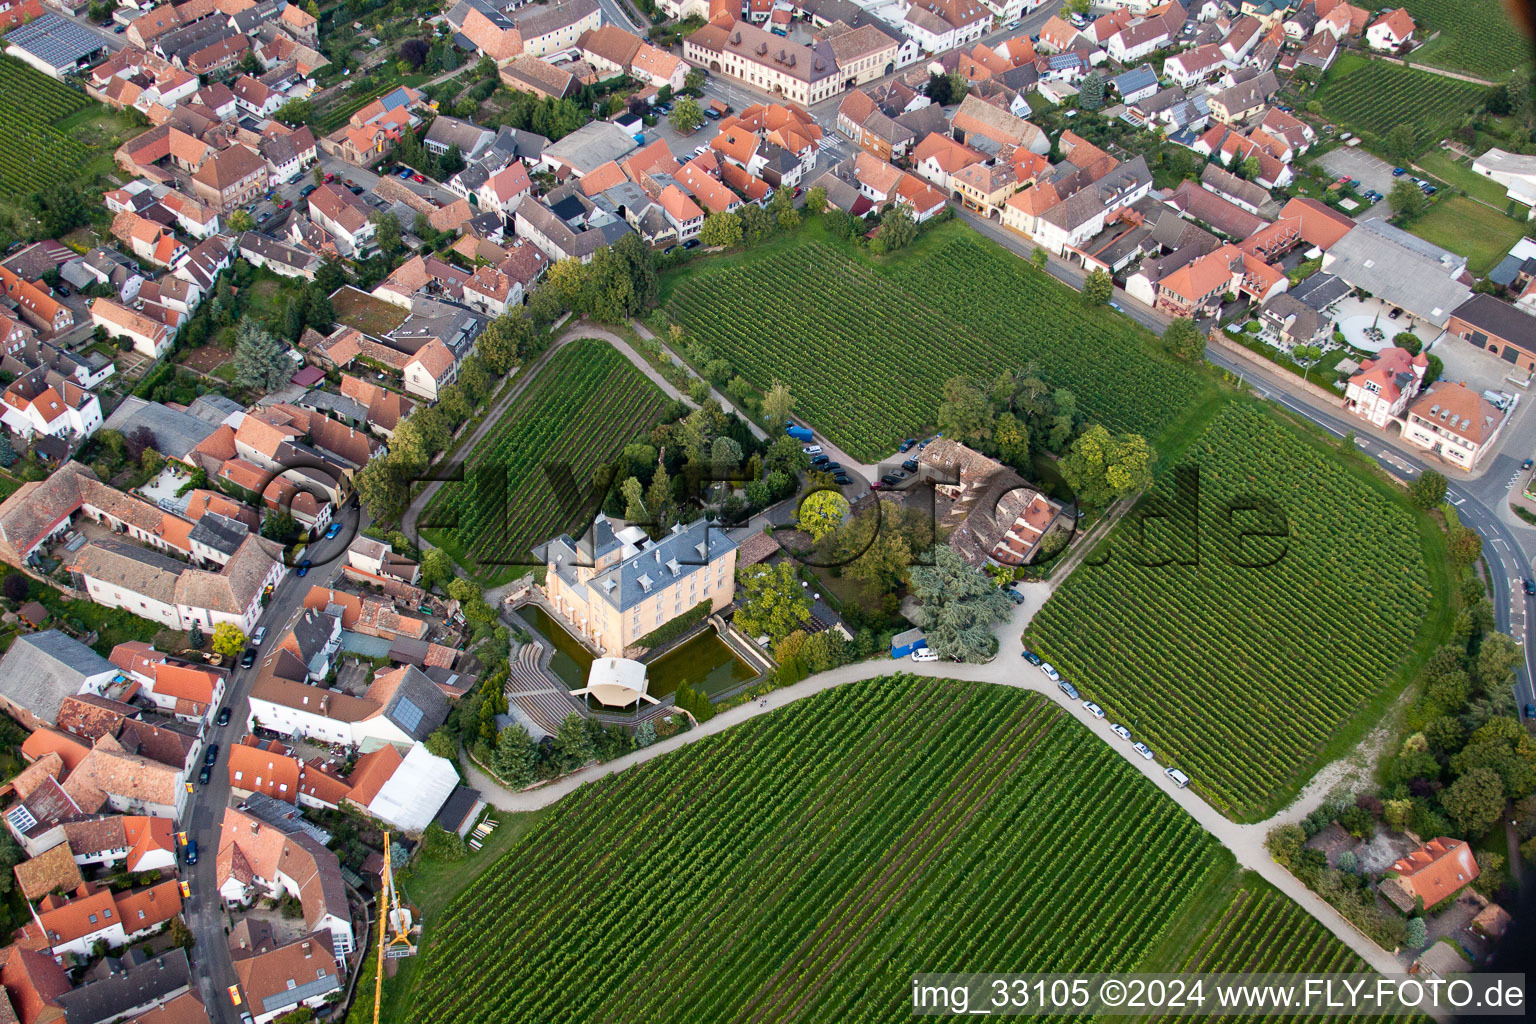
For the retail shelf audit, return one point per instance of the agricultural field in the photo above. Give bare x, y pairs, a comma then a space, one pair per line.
769, 874
585, 405
34, 154
826, 322
1252, 638
1476, 36
1375, 96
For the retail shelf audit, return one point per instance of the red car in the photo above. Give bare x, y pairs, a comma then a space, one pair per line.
418, 179
330, 178
284, 204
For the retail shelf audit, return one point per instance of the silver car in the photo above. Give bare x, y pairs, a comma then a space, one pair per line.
1093, 709
1050, 673
1144, 750
1121, 731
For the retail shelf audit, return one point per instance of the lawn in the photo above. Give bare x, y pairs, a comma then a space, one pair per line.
1442, 165
1476, 36
866, 345
1471, 229
1374, 96
366, 313
586, 404
1253, 635
803, 866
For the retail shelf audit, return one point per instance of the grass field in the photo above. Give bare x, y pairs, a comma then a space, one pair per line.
830, 322
804, 865
1476, 36
1466, 226
1251, 660
1460, 175
586, 404
1375, 96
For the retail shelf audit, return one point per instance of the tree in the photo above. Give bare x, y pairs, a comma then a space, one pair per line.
239, 221
295, 113
958, 606
387, 233
1285, 843
1101, 467
897, 228
686, 116
261, 363
414, 52
721, 228
572, 745
1184, 339
1090, 95
7, 453
1078, 7
822, 512
777, 404
1418, 933
228, 640
59, 210
1466, 546
1041, 257
195, 636
516, 757
694, 79
782, 208
1428, 491
436, 569
773, 603
1401, 141
279, 525
1475, 801
441, 743
1011, 437
816, 200
965, 414
1406, 198
658, 498
11, 854
1098, 288
756, 225
249, 63
881, 542
939, 89
14, 587
181, 935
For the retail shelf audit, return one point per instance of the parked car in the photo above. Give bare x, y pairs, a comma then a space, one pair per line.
692, 243
843, 479
1144, 750
203, 775
701, 150
356, 190
1093, 709
1050, 672
1526, 464
1068, 689
285, 204
1030, 656
1121, 731
306, 190
419, 179
332, 531
812, 449
303, 568
1398, 172
890, 479
258, 636
910, 465
405, 174
924, 654
329, 177
1014, 595
191, 851
907, 445
212, 757
1179, 778
248, 657
1530, 585
1430, 190
1530, 710
223, 718
1394, 314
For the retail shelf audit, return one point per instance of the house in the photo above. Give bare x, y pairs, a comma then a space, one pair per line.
36, 304
1453, 421
1319, 52
1430, 875
93, 913
54, 870
989, 513
189, 692
940, 25
1422, 279
615, 587
288, 154
282, 259
506, 188
114, 777
373, 130
862, 53
401, 706
41, 669
1139, 38
1292, 322
1135, 84
147, 240
149, 336
40, 402
1503, 329
257, 858
975, 119
33, 982
345, 216
137, 984
1056, 36
302, 973
1194, 66
1244, 194
1381, 389
376, 559
938, 156
1391, 31
526, 73
231, 178
871, 129
1515, 171
1245, 99
139, 842
801, 74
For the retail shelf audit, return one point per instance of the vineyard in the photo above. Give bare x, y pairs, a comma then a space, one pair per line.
1240, 657
804, 865
584, 406
1375, 96
1476, 36
34, 155
866, 358
1261, 930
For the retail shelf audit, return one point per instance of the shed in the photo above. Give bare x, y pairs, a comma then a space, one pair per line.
33, 614
903, 644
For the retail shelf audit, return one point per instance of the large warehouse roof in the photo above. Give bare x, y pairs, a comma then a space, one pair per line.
54, 40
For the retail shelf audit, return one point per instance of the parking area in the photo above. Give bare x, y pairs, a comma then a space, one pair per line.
1465, 362
1370, 171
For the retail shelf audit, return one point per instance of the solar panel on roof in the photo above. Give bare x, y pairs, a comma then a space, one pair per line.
407, 714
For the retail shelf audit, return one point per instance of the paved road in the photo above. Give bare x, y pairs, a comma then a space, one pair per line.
205, 915
1008, 669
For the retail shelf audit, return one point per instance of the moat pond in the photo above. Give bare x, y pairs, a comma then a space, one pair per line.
704, 662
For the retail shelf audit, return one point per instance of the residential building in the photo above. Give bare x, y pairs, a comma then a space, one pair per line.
1505, 330
1430, 875
1381, 389
402, 706
345, 216
306, 972
231, 178
1454, 422
150, 337
257, 859
989, 513
37, 307
93, 913
42, 402
773, 64
1391, 31
41, 670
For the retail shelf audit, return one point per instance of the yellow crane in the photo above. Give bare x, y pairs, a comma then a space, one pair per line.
395, 928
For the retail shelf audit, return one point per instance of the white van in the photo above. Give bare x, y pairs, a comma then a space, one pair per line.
1179, 778
924, 654
812, 449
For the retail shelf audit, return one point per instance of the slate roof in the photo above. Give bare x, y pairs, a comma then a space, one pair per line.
134, 980
176, 432
41, 669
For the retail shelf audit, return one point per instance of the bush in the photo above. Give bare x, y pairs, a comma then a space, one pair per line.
1285, 843
1348, 862
1417, 934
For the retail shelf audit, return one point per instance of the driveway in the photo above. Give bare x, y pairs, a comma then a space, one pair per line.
1370, 171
